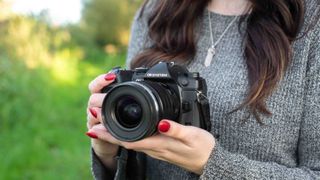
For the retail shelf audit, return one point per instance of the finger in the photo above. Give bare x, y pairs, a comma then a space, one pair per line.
100, 82
102, 134
160, 144
175, 130
94, 117
150, 143
157, 143
96, 100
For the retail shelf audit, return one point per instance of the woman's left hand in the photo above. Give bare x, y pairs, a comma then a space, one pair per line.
186, 146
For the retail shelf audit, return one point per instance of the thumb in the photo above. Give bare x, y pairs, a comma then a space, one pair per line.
174, 129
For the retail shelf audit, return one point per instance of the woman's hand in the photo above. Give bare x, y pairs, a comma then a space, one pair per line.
185, 146
103, 144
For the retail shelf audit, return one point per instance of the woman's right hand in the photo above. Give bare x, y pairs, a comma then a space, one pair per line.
104, 145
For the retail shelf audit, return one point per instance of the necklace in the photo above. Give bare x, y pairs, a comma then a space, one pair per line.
212, 49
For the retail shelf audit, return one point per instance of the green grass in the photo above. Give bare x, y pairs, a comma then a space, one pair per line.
43, 119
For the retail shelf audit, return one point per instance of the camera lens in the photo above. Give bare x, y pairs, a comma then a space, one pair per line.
128, 112
132, 110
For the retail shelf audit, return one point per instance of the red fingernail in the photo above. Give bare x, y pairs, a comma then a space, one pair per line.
164, 126
93, 112
109, 77
92, 135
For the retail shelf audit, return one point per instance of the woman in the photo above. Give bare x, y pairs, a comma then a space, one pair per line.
261, 61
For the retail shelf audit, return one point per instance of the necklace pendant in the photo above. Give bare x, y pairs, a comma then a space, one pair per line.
209, 57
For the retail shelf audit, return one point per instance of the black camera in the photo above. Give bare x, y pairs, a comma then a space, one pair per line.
140, 98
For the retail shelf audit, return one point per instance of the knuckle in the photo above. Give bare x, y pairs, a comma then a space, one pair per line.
185, 137
89, 122
92, 100
100, 85
96, 84
179, 134
186, 133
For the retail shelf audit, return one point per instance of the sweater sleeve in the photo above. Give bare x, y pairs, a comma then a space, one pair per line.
99, 171
225, 165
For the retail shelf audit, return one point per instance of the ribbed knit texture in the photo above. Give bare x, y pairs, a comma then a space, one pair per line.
287, 146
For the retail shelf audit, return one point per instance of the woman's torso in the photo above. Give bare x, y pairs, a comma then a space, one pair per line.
274, 141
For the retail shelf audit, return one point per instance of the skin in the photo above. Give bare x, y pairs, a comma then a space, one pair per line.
185, 146
229, 7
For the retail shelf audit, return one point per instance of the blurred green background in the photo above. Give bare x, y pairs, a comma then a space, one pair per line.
44, 72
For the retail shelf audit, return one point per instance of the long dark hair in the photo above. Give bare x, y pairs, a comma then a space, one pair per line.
272, 26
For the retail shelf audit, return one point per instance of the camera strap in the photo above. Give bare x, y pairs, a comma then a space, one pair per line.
204, 111
122, 158
130, 165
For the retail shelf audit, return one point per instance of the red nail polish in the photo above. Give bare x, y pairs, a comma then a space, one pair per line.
92, 135
110, 77
93, 112
164, 126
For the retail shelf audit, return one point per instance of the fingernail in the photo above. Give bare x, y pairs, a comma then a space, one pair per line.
163, 126
93, 112
92, 135
109, 76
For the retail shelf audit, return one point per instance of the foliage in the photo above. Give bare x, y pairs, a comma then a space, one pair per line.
108, 21
44, 72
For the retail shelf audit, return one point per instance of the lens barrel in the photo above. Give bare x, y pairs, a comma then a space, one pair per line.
132, 110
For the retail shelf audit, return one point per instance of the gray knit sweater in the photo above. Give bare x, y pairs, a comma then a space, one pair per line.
287, 146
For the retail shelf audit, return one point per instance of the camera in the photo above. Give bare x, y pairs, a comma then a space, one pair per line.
138, 99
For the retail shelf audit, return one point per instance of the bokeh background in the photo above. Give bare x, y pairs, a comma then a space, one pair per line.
46, 62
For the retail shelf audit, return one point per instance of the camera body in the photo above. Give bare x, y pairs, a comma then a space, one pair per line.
140, 98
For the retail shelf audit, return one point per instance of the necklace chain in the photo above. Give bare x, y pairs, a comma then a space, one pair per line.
212, 49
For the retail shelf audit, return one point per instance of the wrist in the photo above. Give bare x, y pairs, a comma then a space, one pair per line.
107, 159
206, 156
104, 149
106, 154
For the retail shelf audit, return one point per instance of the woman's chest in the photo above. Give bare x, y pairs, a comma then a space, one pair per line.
227, 80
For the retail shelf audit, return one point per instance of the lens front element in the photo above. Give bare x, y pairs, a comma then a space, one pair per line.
128, 112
